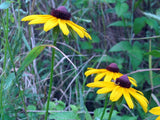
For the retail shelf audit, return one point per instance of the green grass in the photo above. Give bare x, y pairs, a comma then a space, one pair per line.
26, 59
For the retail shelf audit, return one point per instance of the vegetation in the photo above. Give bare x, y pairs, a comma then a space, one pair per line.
125, 32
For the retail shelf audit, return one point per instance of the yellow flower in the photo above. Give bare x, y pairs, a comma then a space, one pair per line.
156, 111
111, 72
59, 16
121, 87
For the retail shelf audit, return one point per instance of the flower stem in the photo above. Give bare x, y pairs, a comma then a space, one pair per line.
55, 35
105, 106
150, 64
111, 111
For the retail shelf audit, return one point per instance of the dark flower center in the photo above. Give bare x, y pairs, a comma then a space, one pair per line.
113, 67
61, 12
123, 81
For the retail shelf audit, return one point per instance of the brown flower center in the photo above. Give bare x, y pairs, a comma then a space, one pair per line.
123, 81
113, 67
61, 12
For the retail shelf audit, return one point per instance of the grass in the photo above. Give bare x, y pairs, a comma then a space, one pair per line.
24, 86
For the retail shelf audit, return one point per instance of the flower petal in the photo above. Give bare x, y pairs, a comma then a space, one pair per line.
99, 76
116, 93
98, 84
155, 110
133, 81
50, 24
158, 118
75, 28
63, 26
32, 17
93, 71
128, 98
109, 76
41, 20
106, 89
140, 98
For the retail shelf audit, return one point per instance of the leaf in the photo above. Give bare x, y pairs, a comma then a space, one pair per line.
66, 115
108, 1
153, 24
121, 46
136, 55
9, 81
31, 107
30, 57
86, 45
155, 53
117, 23
60, 105
5, 5
152, 16
121, 8
138, 25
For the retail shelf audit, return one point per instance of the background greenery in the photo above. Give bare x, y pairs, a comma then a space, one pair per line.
123, 31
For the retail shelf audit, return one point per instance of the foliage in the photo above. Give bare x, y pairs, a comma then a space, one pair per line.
123, 32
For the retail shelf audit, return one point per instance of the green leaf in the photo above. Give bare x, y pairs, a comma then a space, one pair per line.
5, 5
64, 116
138, 25
108, 1
31, 107
152, 16
86, 45
117, 23
153, 24
60, 105
121, 8
155, 53
74, 108
30, 57
9, 81
121, 46
95, 38
136, 55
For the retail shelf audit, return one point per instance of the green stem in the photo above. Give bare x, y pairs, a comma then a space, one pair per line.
105, 106
111, 111
150, 64
55, 34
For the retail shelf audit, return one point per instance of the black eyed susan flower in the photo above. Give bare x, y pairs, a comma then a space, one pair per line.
121, 87
156, 111
59, 16
111, 72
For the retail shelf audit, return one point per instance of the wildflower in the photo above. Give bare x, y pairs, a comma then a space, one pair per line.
111, 72
121, 87
59, 16
156, 111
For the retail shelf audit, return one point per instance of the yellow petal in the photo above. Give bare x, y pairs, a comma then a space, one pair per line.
105, 89
109, 76
87, 35
50, 24
133, 81
93, 71
140, 98
41, 20
116, 94
117, 75
155, 110
79, 31
99, 76
98, 84
158, 118
77, 26
128, 98
63, 26
32, 17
